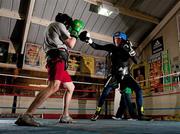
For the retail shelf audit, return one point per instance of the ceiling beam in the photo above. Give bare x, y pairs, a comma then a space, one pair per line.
157, 29
11, 14
15, 15
138, 15
27, 25
94, 35
40, 21
129, 12
101, 37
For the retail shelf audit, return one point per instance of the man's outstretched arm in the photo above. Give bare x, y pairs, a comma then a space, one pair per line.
85, 37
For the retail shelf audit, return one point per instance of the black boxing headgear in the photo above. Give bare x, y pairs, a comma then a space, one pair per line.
65, 19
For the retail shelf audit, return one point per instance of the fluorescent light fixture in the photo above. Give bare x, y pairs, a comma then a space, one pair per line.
105, 8
104, 11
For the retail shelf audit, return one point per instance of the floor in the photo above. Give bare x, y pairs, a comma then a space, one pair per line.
84, 126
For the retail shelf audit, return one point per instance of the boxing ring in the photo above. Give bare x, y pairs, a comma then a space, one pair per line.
83, 101
82, 108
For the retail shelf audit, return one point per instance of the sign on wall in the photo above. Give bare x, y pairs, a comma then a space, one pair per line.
34, 56
157, 45
167, 80
74, 61
100, 66
139, 72
155, 73
87, 65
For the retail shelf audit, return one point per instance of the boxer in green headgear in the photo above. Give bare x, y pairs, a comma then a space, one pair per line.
59, 36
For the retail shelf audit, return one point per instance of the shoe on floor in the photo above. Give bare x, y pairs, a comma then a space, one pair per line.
116, 118
144, 118
26, 120
66, 119
97, 113
131, 119
94, 117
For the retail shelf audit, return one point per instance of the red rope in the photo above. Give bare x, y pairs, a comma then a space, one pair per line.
39, 88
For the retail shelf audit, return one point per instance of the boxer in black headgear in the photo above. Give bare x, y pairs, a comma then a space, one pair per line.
65, 19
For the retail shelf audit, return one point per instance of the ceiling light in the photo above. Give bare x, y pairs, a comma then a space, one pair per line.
105, 8
104, 11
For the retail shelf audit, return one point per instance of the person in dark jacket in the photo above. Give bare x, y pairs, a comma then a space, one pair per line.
121, 51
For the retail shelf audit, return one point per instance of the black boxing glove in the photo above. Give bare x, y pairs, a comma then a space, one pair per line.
128, 48
85, 37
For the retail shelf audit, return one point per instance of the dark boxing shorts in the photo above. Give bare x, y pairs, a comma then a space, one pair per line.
58, 72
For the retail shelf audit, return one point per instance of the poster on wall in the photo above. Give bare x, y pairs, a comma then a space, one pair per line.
42, 59
87, 65
74, 61
12, 58
34, 56
175, 69
4, 47
167, 80
140, 75
155, 73
100, 66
